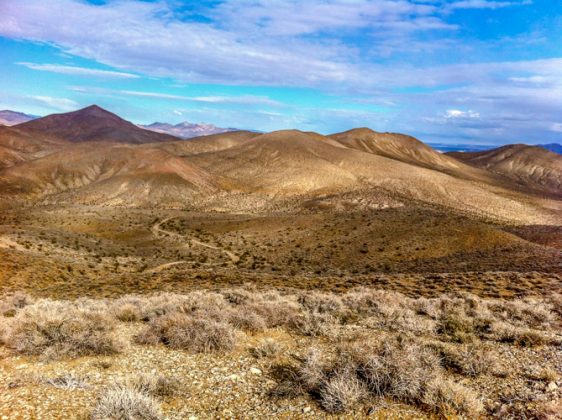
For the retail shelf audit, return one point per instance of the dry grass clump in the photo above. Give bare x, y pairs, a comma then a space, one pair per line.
154, 384
267, 347
61, 329
524, 337
396, 368
184, 332
123, 403
468, 359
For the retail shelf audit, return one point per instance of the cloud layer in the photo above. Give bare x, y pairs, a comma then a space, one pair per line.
414, 58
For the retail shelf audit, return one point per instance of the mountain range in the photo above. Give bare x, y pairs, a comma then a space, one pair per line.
92, 156
186, 130
10, 118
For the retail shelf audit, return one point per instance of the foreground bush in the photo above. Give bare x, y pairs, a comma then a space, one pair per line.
123, 403
56, 329
402, 370
184, 332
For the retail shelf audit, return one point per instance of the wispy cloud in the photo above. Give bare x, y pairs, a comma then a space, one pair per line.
61, 104
78, 71
240, 100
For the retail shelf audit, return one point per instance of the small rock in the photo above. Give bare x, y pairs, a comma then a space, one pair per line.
234, 377
255, 371
306, 410
551, 387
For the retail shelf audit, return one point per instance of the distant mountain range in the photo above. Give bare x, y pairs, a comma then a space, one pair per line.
10, 118
187, 130
553, 147
92, 156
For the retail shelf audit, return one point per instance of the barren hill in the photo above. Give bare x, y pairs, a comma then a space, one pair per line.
92, 124
109, 174
527, 165
395, 146
210, 143
18, 146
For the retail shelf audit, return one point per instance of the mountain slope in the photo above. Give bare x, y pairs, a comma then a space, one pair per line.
527, 165
395, 146
186, 130
19, 146
10, 118
212, 143
109, 174
92, 124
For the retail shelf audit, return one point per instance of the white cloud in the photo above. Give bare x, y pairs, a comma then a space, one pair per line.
457, 113
556, 127
80, 71
61, 104
485, 4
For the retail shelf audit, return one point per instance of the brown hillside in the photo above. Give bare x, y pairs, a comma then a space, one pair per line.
92, 124
527, 165
211, 143
17, 146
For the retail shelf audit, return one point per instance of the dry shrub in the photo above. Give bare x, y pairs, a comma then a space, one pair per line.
127, 312
312, 324
399, 369
180, 331
524, 337
341, 391
11, 303
456, 326
244, 318
525, 313
451, 399
154, 384
59, 329
323, 303
469, 359
123, 403
266, 348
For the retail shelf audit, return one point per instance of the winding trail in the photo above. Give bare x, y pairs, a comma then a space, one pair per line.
157, 231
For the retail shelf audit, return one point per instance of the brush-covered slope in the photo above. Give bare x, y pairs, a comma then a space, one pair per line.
109, 174
92, 124
528, 165
395, 146
292, 163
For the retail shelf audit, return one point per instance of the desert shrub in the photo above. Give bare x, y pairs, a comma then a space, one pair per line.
127, 312
468, 359
122, 403
180, 331
457, 326
266, 348
524, 337
341, 391
321, 302
527, 313
154, 384
451, 399
11, 303
399, 369
59, 329
245, 319
312, 324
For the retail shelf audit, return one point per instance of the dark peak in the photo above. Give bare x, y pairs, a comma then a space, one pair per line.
94, 110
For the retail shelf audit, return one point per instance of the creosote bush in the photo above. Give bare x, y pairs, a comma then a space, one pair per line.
123, 403
184, 332
60, 329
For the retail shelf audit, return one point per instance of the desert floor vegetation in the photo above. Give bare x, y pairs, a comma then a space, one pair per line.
272, 352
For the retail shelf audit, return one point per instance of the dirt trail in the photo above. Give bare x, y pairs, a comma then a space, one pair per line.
156, 230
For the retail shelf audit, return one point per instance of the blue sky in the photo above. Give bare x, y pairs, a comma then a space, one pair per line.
464, 71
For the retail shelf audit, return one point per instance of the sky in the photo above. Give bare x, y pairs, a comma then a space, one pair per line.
449, 71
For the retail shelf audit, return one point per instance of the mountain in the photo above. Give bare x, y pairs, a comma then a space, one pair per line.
186, 130
109, 174
92, 124
527, 165
211, 143
10, 118
553, 147
395, 146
